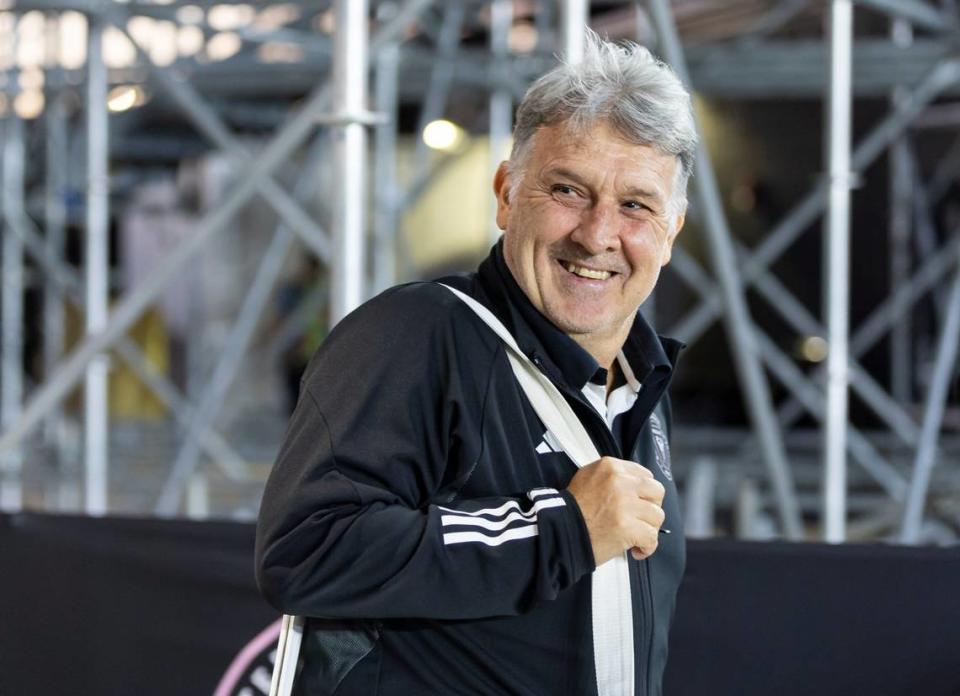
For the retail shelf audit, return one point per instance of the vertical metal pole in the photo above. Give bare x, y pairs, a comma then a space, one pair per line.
747, 511
96, 275
837, 264
55, 214
350, 152
501, 101
11, 370
701, 498
933, 417
574, 20
901, 216
198, 497
69, 493
385, 169
740, 329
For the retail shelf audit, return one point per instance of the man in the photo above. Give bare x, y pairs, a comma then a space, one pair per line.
419, 505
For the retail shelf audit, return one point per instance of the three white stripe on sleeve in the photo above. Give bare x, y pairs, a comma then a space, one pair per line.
507, 522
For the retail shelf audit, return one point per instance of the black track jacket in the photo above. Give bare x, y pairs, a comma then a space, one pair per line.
415, 507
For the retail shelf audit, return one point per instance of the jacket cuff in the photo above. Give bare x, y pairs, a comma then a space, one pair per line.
581, 551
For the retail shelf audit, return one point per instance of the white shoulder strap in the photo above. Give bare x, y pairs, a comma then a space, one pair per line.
288, 653
612, 604
545, 398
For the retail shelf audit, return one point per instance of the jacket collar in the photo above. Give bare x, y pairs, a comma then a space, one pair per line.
651, 357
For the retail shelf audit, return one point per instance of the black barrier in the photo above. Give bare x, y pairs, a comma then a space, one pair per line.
132, 607
815, 620
142, 606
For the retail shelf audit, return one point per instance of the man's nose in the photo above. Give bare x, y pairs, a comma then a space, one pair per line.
597, 232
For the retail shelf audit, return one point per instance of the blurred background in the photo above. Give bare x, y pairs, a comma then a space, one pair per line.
194, 192
132, 135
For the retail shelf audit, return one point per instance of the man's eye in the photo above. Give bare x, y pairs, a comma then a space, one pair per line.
564, 189
636, 205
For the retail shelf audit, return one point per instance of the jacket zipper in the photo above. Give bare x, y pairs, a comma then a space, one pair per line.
643, 570
647, 624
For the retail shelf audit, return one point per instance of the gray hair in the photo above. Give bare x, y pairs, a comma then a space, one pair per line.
623, 85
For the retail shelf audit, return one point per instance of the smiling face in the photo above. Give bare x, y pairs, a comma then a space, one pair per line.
587, 229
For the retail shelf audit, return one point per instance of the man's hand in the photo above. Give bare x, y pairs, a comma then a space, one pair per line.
621, 504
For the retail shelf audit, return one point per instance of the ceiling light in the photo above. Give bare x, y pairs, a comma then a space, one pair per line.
163, 45
443, 135
189, 40
73, 40
189, 14
30, 78
8, 23
280, 52
276, 16
226, 17
813, 349
223, 45
125, 97
30, 40
29, 104
141, 29
118, 52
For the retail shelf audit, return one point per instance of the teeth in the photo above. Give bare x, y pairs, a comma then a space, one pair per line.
587, 272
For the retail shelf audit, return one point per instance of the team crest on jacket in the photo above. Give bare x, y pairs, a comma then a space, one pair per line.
660, 446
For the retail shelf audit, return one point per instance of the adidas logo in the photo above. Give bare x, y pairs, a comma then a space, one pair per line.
549, 444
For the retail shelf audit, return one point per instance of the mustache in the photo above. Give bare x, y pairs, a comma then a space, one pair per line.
573, 253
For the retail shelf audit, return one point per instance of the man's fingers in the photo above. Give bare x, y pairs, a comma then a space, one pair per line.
645, 542
652, 490
639, 553
643, 471
651, 514
621, 503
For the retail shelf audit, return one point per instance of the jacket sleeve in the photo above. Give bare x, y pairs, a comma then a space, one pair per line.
350, 527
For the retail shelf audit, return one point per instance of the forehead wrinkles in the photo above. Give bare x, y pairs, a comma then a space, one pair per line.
599, 141
598, 147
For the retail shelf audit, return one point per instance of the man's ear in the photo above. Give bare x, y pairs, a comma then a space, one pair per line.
501, 189
671, 237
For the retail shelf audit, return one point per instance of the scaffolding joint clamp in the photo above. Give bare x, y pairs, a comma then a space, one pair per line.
852, 179
347, 118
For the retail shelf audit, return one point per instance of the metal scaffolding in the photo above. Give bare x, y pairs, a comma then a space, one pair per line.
96, 277
903, 483
837, 266
350, 153
11, 379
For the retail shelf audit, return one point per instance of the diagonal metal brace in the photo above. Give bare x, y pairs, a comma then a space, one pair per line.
212, 126
69, 284
806, 212
132, 305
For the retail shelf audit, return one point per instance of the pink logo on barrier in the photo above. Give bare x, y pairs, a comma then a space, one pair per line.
252, 668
